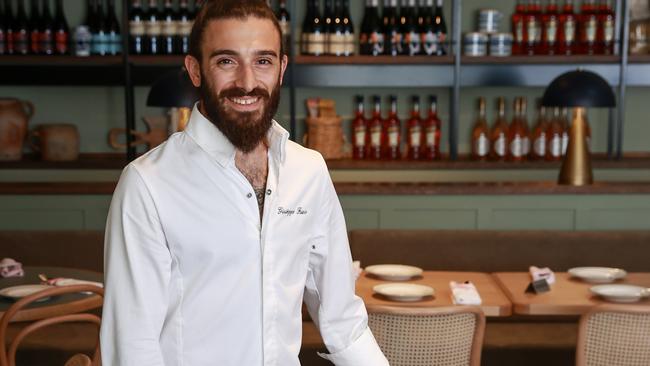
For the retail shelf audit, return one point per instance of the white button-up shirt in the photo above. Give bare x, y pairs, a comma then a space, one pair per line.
194, 277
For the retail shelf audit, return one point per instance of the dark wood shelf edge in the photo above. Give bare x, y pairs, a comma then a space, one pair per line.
542, 59
639, 59
99, 161
55, 60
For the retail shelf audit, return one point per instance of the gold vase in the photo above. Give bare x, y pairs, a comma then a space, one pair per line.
576, 166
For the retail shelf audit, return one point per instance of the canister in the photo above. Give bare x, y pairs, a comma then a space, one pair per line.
489, 20
500, 44
475, 44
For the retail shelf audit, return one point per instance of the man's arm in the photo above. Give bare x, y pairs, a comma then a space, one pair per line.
137, 266
329, 294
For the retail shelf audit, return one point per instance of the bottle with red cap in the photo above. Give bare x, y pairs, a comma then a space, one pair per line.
359, 131
414, 134
392, 132
566, 38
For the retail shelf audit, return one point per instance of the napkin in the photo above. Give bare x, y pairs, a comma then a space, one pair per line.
542, 273
10, 268
464, 293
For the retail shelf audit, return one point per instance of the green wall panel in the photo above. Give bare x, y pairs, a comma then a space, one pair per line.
451, 218
513, 219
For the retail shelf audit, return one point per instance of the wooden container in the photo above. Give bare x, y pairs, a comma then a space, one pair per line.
325, 135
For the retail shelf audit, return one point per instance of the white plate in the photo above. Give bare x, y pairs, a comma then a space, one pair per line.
403, 291
18, 292
394, 272
73, 281
621, 293
598, 274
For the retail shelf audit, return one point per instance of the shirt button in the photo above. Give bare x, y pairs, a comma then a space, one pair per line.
268, 192
249, 195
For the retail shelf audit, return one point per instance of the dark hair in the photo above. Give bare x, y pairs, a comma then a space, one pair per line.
229, 9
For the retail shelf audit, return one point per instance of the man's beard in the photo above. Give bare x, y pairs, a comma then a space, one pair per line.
245, 130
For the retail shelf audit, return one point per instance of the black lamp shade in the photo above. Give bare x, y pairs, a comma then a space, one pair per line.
579, 88
173, 89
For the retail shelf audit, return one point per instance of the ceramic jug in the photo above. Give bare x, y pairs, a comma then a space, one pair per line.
56, 142
14, 117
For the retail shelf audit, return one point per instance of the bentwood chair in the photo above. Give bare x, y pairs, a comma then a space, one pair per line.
8, 356
440, 336
614, 335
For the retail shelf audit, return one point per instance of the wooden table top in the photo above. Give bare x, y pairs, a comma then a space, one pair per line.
494, 301
59, 305
568, 296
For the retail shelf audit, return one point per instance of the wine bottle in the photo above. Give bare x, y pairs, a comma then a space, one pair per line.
185, 22
328, 19
606, 21
480, 143
410, 30
517, 134
566, 42
539, 134
375, 129
518, 26
348, 30
9, 27
428, 35
47, 42
21, 31
61, 31
499, 133
588, 28
392, 132
169, 29
137, 33
531, 28
306, 30
3, 37
415, 135
554, 133
315, 36
99, 41
550, 27
431, 127
392, 36
34, 28
371, 36
285, 26
113, 33
335, 33
153, 29
440, 28
359, 130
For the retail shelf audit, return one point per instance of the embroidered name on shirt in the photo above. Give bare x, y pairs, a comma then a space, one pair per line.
289, 212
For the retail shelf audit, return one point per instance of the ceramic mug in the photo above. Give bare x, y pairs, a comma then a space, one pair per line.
56, 142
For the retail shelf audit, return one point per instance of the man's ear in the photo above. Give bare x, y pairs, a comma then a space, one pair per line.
193, 69
283, 67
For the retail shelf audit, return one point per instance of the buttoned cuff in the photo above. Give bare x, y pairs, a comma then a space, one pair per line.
364, 351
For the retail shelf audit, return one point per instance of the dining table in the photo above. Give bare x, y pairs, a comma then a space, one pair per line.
494, 302
56, 305
567, 296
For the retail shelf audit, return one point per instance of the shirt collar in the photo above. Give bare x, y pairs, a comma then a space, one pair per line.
217, 145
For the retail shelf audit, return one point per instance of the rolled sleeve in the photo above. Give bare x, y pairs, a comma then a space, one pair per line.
364, 351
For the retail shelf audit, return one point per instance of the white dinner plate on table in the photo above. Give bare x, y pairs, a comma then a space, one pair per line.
403, 291
394, 272
621, 293
597, 274
18, 292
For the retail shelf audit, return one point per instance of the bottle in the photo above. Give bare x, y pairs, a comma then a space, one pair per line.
285, 25
328, 19
550, 27
46, 32
410, 29
3, 37
554, 136
531, 28
428, 39
588, 28
61, 31
415, 135
375, 127
184, 24
136, 28
499, 133
169, 31
371, 36
392, 36
336, 33
431, 127
606, 21
392, 132
348, 30
99, 41
517, 133
113, 33
440, 28
313, 36
518, 26
306, 29
359, 131
480, 142
539, 135
153, 29
34, 28
9, 28
566, 38
21, 31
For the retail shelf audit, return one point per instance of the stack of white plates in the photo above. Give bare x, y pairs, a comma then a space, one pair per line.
394, 272
621, 293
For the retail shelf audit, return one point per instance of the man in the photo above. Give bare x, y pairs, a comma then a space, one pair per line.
214, 237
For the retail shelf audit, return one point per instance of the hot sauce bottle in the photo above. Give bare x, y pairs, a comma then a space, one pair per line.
480, 131
605, 36
359, 131
566, 38
550, 28
539, 135
588, 28
375, 126
415, 135
499, 133
392, 132
431, 127
554, 132
518, 27
517, 133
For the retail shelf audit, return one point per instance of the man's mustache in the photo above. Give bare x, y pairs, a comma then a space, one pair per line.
241, 93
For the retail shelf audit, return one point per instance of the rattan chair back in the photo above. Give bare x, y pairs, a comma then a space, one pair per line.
438, 336
614, 335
